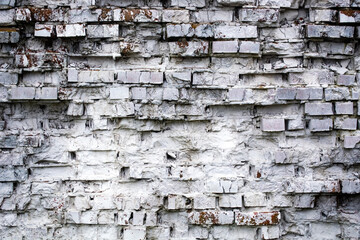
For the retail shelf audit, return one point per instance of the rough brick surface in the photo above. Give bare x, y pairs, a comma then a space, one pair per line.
179, 119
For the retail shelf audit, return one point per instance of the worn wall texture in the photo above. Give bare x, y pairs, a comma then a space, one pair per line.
179, 119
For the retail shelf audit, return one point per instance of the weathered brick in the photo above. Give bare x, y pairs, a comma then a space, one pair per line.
9, 35
7, 16
235, 31
318, 109
230, 201
345, 124
43, 30
236, 94
249, 47
260, 15
171, 94
213, 16
103, 31
320, 125
254, 199
213, 217
257, 218
176, 16
236, 2
204, 202
189, 48
326, 31
350, 186
349, 16
344, 108
351, 141
281, 33
95, 76
137, 15
346, 80
225, 46
304, 201
286, 93
46, 93
7, 78
340, 93
138, 93
186, 3
119, 93
22, 93
70, 30
131, 233
272, 125
179, 30
323, 15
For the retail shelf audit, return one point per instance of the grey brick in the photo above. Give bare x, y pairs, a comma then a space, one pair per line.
179, 30
7, 78
272, 125
350, 186
235, 31
22, 93
345, 123
344, 108
236, 2
340, 93
70, 30
346, 80
326, 31
171, 94
249, 47
323, 15
44, 30
138, 93
286, 93
260, 15
236, 94
46, 93
103, 31
320, 125
349, 16
119, 93
176, 16
213, 16
225, 46
351, 141
318, 109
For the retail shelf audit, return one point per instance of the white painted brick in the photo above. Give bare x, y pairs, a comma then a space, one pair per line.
225, 46
22, 93
138, 233
235, 31
344, 108
138, 93
254, 200
321, 125
249, 47
94, 76
171, 94
43, 30
236, 94
119, 93
204, 202
176, 16
230, 201
103, 31
318, 109
272, 125
70, 30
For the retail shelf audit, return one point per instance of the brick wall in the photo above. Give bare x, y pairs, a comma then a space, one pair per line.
179, 119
